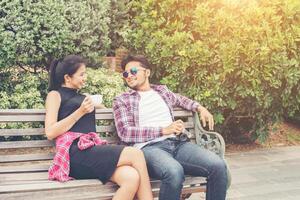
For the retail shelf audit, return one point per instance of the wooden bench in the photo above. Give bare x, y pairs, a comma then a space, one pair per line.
24, 163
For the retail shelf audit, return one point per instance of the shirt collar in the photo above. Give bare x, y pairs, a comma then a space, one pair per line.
153, 86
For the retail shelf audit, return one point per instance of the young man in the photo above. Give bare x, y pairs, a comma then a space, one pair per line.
144, 119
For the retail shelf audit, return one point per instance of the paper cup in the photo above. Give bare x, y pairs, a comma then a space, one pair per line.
97, 98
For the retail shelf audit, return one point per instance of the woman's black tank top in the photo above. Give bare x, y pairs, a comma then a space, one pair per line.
71, 101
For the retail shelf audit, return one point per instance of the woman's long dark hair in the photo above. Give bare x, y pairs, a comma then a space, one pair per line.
60, 67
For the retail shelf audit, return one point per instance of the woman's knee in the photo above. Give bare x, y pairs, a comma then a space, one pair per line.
128, 177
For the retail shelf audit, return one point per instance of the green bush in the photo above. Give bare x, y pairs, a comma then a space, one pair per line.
23, 90
29, 90
119, 26
32, 32
105, 82
238, 58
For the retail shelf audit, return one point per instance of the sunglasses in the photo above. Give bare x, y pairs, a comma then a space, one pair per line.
132, 71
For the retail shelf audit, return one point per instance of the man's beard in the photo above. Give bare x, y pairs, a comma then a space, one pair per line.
136, 86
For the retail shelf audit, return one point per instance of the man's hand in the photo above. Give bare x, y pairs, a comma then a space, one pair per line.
176, 127
205, 116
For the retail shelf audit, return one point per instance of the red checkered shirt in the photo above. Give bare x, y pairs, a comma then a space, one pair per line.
60, 168
126, 114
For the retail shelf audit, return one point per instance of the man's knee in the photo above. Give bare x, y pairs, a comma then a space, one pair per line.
174, 175
219, 167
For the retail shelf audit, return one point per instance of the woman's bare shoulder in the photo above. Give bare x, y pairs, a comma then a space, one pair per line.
53, 96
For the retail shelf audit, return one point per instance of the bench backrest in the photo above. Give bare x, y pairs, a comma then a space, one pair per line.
22, 137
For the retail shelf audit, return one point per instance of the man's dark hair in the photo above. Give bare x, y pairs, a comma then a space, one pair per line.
137, 58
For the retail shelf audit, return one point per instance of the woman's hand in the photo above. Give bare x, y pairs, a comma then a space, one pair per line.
87, 105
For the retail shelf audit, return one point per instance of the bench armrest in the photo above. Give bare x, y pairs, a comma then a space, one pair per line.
210, 140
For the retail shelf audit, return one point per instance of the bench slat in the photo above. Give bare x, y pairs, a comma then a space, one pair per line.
41, 131
104, 129
84, 193
22, 118
24, 168
98, 192
22, 132
30, 115
104, 116
182, 113
26, 157
50, 185
26, 144
13, 178
42, 111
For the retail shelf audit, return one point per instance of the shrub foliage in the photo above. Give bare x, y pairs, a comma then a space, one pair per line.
238, 58
32, 32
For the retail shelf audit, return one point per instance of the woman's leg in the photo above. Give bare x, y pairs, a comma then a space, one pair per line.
135, 158
128, 179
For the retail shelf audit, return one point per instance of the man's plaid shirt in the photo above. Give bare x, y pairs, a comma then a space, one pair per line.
126, 114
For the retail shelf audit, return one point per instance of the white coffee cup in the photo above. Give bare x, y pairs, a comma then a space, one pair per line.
97, 98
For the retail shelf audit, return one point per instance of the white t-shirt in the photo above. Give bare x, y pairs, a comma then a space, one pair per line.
153, 112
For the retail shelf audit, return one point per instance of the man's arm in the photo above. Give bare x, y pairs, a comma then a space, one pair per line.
188, 104
178, 100
126, 129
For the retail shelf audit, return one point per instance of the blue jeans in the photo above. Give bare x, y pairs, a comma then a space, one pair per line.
171, 159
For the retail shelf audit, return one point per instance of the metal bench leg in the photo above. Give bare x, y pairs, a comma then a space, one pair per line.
185, 196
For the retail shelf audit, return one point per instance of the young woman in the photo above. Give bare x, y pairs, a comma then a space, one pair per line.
80, 153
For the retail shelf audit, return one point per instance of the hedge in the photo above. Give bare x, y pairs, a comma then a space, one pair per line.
238, 58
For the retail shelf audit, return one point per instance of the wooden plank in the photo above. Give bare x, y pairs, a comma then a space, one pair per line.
15, 178
182, 113
14, 112
189, 180
10, 115
98, 191
101, 116
22, 132
107, 128
24, 168
102, 192
48, 185
26, 157
56, 190
22, 118
84, 193
41, 111
41, 131
26, 144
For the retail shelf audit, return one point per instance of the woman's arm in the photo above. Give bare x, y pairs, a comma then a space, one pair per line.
54, 128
